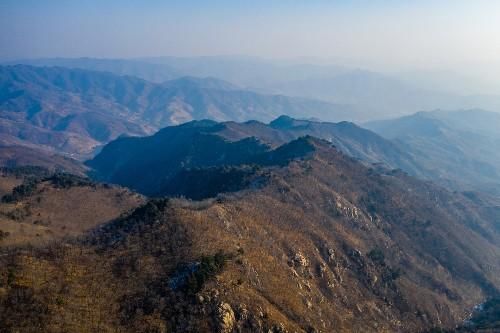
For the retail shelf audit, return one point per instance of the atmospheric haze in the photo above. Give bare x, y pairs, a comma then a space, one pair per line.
406, 37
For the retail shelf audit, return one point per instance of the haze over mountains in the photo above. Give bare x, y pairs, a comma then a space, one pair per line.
249, 166
459, 146
74, 111
313, 203
370, 94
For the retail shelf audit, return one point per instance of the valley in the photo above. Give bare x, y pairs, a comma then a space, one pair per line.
233, 194
249, 166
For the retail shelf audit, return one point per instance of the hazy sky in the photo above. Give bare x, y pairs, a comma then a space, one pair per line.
454, 34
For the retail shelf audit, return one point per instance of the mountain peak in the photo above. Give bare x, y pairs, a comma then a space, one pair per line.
287, 122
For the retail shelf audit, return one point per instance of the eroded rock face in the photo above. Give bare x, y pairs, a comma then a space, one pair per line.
225, 317
242, 312
300, 260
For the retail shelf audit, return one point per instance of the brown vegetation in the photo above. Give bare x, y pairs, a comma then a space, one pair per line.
327, 245
35, 211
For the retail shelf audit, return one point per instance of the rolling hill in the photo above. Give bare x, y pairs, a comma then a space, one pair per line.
287, 226
39, 206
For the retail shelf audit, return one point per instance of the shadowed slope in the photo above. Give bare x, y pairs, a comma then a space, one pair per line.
148, 164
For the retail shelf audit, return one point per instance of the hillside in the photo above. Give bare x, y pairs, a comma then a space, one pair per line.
321, 244
210, 144
455, 147
447, 152
74, 111
20, 156
348, 137
38, 207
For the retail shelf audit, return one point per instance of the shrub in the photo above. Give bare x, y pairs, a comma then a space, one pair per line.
66, 180
4, 234
209, 267
26, 189
377, 256
19, 214
26, 171
11, 276
391, 274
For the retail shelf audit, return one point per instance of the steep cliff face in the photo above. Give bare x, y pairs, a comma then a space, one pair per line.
323, 245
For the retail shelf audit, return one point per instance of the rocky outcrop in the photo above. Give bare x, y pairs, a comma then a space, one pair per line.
300, 260
225, 318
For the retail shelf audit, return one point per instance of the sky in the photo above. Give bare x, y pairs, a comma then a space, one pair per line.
403, 35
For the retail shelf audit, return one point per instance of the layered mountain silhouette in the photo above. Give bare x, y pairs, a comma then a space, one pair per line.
458, 146
148, 71
447, 152
201, 144
371, 95
74, 111
243, 219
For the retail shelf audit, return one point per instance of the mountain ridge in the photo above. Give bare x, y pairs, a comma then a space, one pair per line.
190, 145
74, 111
372, 95
324, 244
458, 146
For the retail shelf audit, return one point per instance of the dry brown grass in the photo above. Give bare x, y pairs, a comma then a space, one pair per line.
329, 209
7, 183
54, 213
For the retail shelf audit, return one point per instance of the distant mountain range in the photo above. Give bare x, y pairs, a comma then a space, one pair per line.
73, 111
76, 111
372, 95
459, 146
147, 71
